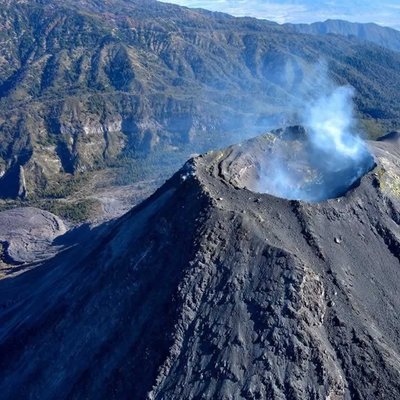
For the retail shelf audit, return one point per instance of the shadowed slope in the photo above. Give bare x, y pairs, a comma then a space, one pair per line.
207, 290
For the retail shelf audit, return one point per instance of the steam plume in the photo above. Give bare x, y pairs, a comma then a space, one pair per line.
332, 126
329, 157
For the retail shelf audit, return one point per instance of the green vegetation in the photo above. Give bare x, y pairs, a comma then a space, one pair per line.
156, 165
374, 128
79, 91
64, 187
75, 212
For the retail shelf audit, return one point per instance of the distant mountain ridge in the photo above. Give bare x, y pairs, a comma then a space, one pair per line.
87, 84
380, 35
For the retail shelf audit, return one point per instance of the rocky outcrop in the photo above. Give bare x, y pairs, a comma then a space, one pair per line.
22, 192
13, 182
210, 290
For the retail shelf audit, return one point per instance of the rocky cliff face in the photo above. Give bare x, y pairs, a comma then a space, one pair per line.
210, 290
83, 84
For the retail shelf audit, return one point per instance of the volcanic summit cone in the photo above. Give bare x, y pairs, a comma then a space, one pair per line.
209, 290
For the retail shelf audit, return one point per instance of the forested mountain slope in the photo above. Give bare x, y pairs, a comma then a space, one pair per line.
87, 85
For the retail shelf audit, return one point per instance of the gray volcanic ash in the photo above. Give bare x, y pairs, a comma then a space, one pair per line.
208, 290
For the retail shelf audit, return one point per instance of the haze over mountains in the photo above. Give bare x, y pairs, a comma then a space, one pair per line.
89, 85
382, 36
382, 12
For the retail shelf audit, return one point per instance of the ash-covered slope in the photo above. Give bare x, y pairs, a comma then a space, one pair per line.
26, 234
208, 290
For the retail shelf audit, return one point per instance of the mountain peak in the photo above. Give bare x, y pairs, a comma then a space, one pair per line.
383, 36
210, 290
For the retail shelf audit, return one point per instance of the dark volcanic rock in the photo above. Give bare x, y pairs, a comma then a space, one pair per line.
393, 136
208, 290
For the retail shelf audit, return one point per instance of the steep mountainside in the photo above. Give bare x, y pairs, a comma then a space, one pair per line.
380, 35
208, 290
90, 84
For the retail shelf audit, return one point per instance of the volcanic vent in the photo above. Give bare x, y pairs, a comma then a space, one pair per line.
288, 163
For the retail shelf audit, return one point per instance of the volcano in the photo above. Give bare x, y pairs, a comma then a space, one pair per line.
286, 163
210, 289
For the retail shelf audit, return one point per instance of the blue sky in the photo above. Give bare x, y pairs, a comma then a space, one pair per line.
385, 12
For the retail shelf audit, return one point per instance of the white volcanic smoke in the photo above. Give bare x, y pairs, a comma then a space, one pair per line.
331, 123
324, 160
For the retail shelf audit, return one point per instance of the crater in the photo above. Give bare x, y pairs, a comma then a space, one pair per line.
287, 163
